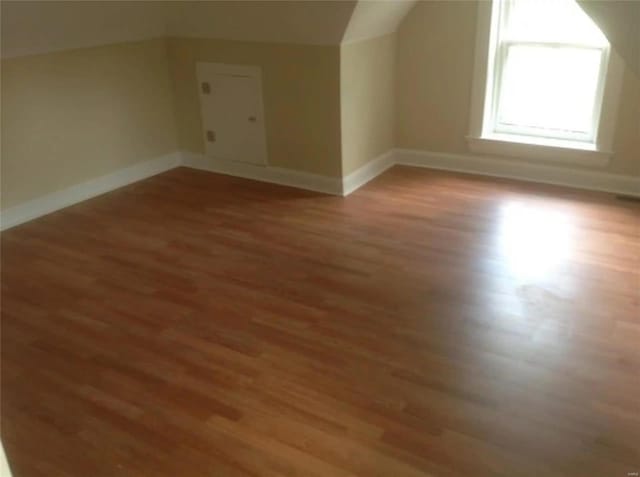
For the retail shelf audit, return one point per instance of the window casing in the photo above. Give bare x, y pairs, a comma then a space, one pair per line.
555, 87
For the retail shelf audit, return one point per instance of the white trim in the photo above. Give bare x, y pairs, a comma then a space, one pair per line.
468, 163
227, 69
482, 74
369, 171
49, 203
274, 175
483, 141
556, 151
611, 96
207, 70
292, 178
46, 204
520, 170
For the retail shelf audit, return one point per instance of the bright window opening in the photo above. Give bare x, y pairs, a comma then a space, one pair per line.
546, 72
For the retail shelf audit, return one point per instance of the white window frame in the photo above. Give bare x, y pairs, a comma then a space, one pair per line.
482, 139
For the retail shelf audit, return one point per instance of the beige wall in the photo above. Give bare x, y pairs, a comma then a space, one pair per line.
627, 136
72, 116
301, 89
367, 99
435, 59
433, 83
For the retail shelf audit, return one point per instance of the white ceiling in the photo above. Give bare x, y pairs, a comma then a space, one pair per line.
30, 27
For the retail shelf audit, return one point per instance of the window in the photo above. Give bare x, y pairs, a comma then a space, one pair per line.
547, 69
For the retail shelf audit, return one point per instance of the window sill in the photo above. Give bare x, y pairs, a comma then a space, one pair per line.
552, 150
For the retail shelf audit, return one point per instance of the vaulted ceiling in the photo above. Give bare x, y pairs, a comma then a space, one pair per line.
620, 22
376, 18
308, 22
40, 26
30, 27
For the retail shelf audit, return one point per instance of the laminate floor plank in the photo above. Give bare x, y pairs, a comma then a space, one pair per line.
429, 324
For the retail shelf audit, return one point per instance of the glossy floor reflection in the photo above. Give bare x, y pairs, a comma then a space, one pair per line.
535, 240
430, 324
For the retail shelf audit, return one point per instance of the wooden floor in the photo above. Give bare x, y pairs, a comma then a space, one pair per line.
429, 324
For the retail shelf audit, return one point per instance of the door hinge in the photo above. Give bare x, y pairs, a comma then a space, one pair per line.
211, 136
206, 88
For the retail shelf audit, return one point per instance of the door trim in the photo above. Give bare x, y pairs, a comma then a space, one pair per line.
244, 71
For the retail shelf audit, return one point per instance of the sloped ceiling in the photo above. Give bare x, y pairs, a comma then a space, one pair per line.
308, 22
620, 22
323, 22
376, 18
31, 27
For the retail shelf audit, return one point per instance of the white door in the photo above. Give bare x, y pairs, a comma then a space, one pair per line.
232, 112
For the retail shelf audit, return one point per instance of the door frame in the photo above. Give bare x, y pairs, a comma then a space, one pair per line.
204, 68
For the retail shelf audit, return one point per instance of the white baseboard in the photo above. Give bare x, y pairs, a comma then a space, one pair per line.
520, 170
369, 171
274, 175
468, 163
72, 195
291, 178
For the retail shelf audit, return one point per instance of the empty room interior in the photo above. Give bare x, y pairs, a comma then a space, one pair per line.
350, 238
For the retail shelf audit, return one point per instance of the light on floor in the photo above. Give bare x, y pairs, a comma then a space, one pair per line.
535, 240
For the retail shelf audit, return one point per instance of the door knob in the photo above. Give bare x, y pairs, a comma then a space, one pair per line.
252, 119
